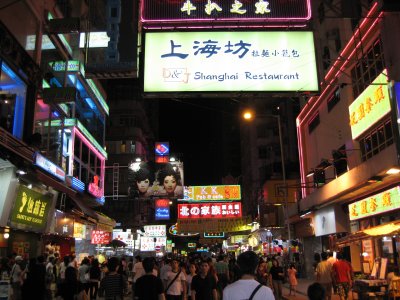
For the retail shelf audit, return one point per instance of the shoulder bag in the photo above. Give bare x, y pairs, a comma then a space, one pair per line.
173, 280
255, 291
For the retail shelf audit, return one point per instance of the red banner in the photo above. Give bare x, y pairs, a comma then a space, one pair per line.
100, 237
210, 210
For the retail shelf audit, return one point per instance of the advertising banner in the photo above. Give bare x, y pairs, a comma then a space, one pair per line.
79, 230
155, 230
151, 243
210, 193
210, 210
125, 236
100, 237
215, 225
148, 180
64, 224
31, 210
229, 12
214, 61
162, 209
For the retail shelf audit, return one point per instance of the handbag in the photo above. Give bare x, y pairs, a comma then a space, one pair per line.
255, 291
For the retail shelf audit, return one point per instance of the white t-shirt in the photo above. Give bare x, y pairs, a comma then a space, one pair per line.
176, 288
139, 271
324, 269
243, 288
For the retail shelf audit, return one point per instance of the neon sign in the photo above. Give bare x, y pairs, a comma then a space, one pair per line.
50, 167
209, 210
209, 193
162, 148
162, 209
94, 188
233, 11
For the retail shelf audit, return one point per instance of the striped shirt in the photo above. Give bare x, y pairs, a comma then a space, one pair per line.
113, 286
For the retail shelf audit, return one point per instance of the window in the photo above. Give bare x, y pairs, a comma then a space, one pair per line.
367, 68
376, 140
313, 123
335, 98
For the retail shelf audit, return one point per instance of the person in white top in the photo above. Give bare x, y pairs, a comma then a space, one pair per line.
324, 275
175, 282
247, 286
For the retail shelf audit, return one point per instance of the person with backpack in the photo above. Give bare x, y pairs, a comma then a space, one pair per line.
247, 287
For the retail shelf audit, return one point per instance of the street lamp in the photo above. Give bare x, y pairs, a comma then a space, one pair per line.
249, 115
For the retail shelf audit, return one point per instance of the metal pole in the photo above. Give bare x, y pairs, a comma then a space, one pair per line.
283, 176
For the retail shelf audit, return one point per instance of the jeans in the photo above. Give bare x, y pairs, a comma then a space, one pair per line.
277, 286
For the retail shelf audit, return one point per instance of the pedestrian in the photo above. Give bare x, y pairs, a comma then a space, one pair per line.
316, 291
148, 286
95, 277
222, 269
112, 285
70, 287
204, 285
175, 282
83, 274
262, 274
165, 268
292, 279
247, 287
317, 260
63, 267
324, 275
189, 277
342, 275
34, 286
276, 275
16, 278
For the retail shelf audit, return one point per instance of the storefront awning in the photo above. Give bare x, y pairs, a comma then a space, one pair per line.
383, 229
85, 209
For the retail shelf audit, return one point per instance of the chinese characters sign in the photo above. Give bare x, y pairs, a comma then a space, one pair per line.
151, 243
377, 204
100, 237
208, 193
372, 104
215, 225
209, 210
155, 230
230, 61
228, 12
31, 210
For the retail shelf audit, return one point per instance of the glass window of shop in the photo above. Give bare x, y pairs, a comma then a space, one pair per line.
12, 100
22, 23
390, 243
86, 163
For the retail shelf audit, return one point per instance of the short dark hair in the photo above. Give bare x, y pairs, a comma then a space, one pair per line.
112, 264
324, 256
148, 264
247, 262
316, 291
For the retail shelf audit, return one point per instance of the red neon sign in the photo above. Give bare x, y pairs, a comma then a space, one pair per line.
209, 210
100, 237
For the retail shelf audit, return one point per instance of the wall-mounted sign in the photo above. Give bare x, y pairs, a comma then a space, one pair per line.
75, 183
173, 230
210, 193
162, 148
125, 236
372, 104
64, 224
59, 66
228, 12
209, 210
214, 234
48, 166
162, 209
151, 243
97, 39
100, 237
192, 245
376, 204
212, 61
215, 225
30, 210
155, 230
79, 230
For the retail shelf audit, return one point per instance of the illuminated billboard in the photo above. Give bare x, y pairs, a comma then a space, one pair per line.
147, 180
209, 210
372, 104
230, 62
227, 12
211, 193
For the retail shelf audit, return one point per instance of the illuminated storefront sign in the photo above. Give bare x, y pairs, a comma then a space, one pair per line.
59, 66
64, 224
192, 245
372, 104
155, 230
100, 237
230, 61
208, 193
214, 234
95, 189
214, 225
227, 11
162, 149
162, 209
125, 236
30, 210
151, 243
98, 39
79, 230
50, 167
75, 183
209, 210
376, 204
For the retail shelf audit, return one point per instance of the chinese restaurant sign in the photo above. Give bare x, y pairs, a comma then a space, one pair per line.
377, 204
209, 210
100, 237
372, 104
209, 193
31, 209
230, 62
225, 11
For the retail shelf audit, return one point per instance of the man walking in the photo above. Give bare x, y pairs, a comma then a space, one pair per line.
247, 287
204, 285
341, 270
175, 282
148, 286
324, 275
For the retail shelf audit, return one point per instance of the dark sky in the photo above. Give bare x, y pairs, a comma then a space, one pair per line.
194, 129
